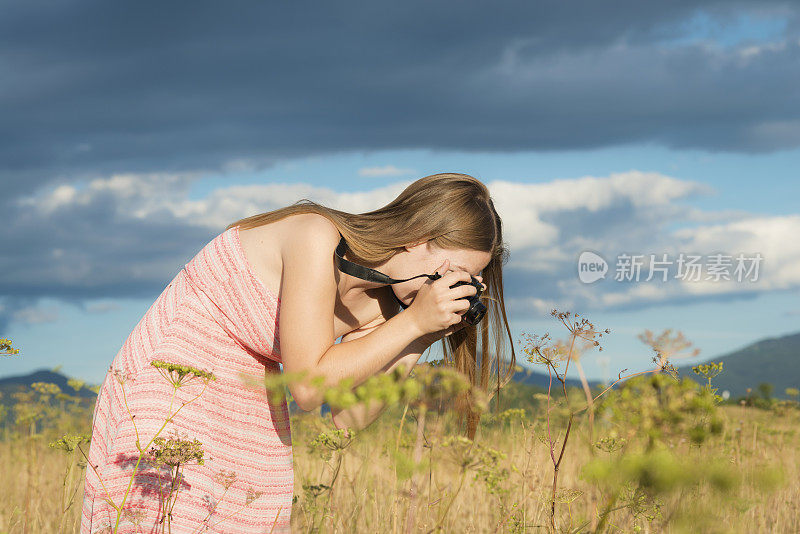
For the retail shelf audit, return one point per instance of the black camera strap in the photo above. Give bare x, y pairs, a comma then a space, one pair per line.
371, 275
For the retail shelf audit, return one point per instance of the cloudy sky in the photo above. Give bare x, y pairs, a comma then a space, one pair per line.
132, 134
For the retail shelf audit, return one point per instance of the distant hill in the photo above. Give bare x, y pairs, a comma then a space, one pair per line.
537, 378
14, 383
773, 360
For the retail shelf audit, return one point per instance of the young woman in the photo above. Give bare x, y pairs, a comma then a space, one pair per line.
221, 314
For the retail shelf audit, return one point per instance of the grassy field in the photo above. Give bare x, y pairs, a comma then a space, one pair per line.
739, 479
652, 454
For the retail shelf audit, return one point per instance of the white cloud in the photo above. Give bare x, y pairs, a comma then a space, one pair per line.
546, 226
774, 238
386, 170
152, 196
136, 194
528, 304
61, 196
523, 206
749, 52
637, 293
240, 165
101, 307
34, 315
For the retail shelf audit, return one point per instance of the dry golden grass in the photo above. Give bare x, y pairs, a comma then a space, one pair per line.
653, 454
365, 497
368, 496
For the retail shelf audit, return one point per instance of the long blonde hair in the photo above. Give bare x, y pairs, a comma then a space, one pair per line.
453, 211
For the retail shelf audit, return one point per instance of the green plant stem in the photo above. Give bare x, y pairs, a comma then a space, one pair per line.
141, 455
451, 501
334, 474
172, 497
211, 512
396, 450
64, 493
604, 516
557, 463
142, 450
109, 500
510, 512
411, 513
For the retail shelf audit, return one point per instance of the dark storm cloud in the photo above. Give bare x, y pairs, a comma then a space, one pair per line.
92, 249
94, 89
91, 88
92, 256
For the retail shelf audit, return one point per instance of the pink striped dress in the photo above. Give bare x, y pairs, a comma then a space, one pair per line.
218, 316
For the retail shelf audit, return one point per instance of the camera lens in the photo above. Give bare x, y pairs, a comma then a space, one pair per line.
477, 309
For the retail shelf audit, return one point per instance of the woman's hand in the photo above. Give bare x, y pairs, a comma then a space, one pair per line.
438, 306
430, 338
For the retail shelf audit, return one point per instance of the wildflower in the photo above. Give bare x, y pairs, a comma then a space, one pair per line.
512, 413
567, 495
251, 495
70, 442
134, 515
483, 460
668, 346
610, 443
328, 442
540, 350
583, 329
226, 479
179, 375
6, 349
176, 451
708, 371
121, 375
315, 490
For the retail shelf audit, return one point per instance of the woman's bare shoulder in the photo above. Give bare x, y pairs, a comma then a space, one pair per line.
309, 227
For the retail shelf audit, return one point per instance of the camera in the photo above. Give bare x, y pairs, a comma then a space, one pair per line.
477, 309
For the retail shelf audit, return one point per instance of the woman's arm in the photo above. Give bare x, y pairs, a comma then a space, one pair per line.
307, 340
361, 415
